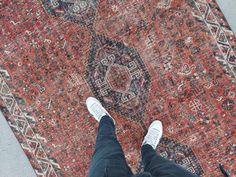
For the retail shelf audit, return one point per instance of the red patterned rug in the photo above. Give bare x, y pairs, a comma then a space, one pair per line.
172, 60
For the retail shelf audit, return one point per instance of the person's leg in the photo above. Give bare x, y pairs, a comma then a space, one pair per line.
155, 164
108, 158
161, 167
107, 147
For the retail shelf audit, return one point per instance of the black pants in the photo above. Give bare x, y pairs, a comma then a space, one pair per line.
109, 161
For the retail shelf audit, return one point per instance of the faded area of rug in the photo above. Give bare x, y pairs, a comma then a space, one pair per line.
172, 60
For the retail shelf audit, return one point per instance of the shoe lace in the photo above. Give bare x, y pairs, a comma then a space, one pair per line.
96, 109
153, 135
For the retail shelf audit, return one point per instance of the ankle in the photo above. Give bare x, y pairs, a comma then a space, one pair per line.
146, 144
107, 118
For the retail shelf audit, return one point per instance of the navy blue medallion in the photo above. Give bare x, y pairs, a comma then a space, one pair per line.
118, 77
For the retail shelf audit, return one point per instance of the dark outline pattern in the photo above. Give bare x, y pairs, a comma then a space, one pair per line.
100, 41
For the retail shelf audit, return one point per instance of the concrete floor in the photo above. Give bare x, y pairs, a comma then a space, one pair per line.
228, 7
13, 161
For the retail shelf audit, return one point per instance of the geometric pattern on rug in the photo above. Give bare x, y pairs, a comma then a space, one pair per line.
227, 56
78, 11
19, 122
118, 77
43, 100
181, 154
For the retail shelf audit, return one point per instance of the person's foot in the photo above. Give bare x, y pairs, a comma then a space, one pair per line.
96, 109
154, 134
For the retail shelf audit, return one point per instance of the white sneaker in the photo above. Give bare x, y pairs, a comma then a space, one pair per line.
154, 134
96, 109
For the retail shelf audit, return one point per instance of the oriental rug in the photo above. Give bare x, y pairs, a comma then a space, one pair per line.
172, 60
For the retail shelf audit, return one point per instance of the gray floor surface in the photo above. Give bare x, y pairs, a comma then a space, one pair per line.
228, 7
13, 161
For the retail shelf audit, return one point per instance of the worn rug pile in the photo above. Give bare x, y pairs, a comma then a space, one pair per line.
171, 60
